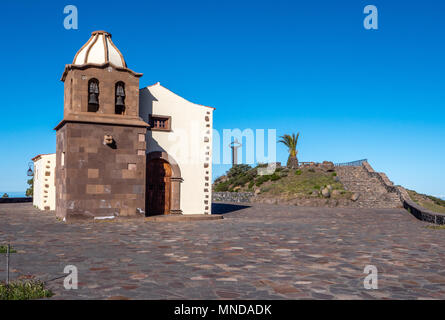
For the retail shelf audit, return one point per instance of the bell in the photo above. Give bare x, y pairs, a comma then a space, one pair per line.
93, 99
120, 101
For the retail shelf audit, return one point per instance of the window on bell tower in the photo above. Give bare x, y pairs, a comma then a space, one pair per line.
120, 98
93, 95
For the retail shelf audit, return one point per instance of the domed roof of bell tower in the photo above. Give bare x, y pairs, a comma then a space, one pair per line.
98, 50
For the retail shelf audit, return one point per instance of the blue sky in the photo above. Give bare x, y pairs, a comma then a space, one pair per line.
307, 66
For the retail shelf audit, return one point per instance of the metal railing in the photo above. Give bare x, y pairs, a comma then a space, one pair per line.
307, 163
356, 163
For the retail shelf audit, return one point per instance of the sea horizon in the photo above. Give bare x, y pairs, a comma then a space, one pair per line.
14, 194
22, 194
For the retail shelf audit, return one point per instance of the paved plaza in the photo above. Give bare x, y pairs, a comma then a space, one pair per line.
255, 252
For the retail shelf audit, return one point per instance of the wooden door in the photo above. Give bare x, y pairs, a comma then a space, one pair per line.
158, 187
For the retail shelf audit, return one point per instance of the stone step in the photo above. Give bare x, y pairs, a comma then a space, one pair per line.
373, 193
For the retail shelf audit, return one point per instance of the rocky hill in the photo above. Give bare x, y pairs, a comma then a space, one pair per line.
310, 185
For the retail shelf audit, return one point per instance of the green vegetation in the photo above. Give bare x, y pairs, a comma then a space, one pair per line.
3, 249
222, 186
291, 141
436, 227
283, 183
303, 184
433, 207
24, 290
275, 177
261, 179
237, 176
428, 202
238, 170
437, 201
30, 190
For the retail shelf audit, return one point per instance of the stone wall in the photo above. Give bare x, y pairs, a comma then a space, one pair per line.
76, 90
369, 191
412, 207
424, 214
94, 179
389, 186
239, 197
101, 156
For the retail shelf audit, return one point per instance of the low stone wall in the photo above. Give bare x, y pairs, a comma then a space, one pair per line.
239, 197
389, 186
424, 214
15, 200
412, 207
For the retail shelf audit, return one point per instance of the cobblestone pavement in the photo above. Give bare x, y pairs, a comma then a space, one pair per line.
258, 252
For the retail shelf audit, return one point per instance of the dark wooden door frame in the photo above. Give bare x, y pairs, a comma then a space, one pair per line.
158, 186
176, 180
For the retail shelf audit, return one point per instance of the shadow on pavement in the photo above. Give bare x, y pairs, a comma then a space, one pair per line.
223, 208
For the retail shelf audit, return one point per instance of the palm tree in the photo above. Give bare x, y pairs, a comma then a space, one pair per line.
291, 141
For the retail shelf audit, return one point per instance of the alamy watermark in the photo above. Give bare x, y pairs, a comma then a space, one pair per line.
71, 21
371, 280
71, 280
371, 20
192, 145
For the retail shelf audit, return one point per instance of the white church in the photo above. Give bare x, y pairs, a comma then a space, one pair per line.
122, 150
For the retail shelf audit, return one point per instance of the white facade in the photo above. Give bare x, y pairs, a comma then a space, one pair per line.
44, 183
188, 143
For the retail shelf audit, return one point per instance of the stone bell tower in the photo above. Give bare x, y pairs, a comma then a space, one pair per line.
100, 161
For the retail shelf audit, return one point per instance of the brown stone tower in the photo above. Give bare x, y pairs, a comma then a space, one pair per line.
100, 162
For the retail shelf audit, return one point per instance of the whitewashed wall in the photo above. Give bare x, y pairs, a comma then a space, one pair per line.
44, 197
188, 142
